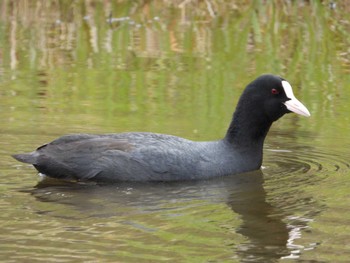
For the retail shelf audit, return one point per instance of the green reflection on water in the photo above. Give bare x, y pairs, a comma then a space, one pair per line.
174, 67
178, 71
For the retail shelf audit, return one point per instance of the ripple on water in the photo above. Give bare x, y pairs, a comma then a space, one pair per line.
302, 183
306, 160
292, 170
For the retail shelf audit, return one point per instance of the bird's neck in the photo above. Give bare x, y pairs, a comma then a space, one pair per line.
248, 128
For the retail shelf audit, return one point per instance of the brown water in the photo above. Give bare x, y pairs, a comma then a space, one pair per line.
175, 67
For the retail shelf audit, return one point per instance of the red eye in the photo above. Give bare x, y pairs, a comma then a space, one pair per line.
274, 91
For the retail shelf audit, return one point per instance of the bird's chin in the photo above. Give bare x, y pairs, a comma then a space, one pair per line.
275, 117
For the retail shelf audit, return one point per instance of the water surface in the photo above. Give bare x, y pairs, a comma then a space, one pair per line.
175, 67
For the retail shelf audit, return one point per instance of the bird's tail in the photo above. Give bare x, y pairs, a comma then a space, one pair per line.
26, 157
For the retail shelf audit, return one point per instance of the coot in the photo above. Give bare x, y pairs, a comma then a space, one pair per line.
143, 156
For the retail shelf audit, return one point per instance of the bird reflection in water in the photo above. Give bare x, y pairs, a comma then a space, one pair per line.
267, 237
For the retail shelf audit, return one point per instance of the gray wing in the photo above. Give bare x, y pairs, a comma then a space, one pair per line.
123, 157
81, 156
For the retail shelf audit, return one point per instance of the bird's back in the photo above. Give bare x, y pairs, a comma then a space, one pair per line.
118, 157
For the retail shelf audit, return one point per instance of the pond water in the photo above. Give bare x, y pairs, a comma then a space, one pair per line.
175, 67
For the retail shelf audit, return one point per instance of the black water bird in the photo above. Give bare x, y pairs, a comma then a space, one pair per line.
142, 156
